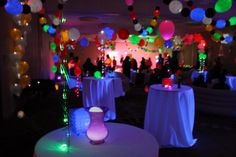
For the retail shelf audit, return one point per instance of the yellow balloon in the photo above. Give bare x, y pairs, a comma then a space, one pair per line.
153, 22
19, 49
64, 36
209, 28
15, 34
25, 19
159, 42
23, 67
24, 81
42, 20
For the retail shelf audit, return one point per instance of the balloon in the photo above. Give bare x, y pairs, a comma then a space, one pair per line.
35, 5
64, 36
19, 49
102, 37
24, 81
208, 28
14, 7
222, 6
168, 43
141, 42
23, 67
232, 21
56, 21
167, 29
134, 39
51, 30
109, 32
220, 24
25, 19
153, 22
137, 27
207, 21
74, 34
84, 42
175, 7
15, 34
197, 14
42, 20
123, 34
159, 42
77, 71
177, 40
129, 2
54, 69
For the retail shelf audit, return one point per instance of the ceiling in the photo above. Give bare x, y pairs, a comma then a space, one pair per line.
90, 16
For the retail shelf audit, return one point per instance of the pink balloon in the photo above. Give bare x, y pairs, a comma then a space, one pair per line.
166, 29
129, 2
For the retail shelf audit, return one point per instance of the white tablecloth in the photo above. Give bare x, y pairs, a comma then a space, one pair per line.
170, 115
231, 81
102, 92
122, 141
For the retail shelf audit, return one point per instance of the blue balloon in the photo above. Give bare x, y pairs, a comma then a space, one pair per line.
220, 24
168, 43
197, 14
51, 30
144, 33
14, 7
56, 58
84, 42
109, 32
229, 39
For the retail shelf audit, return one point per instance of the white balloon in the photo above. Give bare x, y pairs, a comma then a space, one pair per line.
20, 114
35, 5
175, 6
74, 34
56, 21
137, 27
207, 21
102, 37
16, 89
177, 40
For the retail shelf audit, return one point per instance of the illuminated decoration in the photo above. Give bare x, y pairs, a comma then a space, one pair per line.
14, 7
53, 46
232, 21
167, 29
202, 59
197, 14
168, 44
134, 39
222, 6
166, 82
84, 42
54, 69
220, 24
63, 148
175, 7
97, 75
97, 131
80, 120
138, 26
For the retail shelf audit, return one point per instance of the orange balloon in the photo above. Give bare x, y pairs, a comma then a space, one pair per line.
19, 49
64, 36
159, 42
209, 28
42, 20
153, 22
24, 81
15, 34
23, 67
25, 19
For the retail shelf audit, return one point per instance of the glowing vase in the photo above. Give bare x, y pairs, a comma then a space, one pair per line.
97, 131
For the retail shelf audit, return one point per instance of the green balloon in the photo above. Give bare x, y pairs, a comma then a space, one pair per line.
202, 56
232, 21
45, 28
216, 36
54, 69
53, 46
134, 39
222, 6
97, 74
149, 30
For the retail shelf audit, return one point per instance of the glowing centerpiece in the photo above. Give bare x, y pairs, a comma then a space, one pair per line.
167, 82
97, 131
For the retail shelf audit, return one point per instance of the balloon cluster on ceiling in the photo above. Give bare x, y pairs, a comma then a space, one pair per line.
198, 14
137, 25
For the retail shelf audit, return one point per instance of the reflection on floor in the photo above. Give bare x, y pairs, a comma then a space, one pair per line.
216, 135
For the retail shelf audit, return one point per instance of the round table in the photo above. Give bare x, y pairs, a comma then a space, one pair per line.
169, 115
123, 141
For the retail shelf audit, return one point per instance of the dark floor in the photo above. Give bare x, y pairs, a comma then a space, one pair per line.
216, 135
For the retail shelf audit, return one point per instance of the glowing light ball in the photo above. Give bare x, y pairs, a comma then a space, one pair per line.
74, 34
167, 29
23, 67
45, 28
175, 7
134, 39
222, 6
53, 46
42, 20
97, 74
24, 81
232, 21
220, 24
159, 42
56, 58
123, 34
14, 7
56, 21
168, 43
229, 39
84, 42
51, 30
102, 37
166, 82
197, 14
79, 120
144, 33
54, 69
97, 131
216, 35
149, 30
20, 114
202, 56
109, 32
15, 34
137, 27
